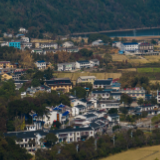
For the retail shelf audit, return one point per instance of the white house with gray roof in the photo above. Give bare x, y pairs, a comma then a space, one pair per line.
66, 66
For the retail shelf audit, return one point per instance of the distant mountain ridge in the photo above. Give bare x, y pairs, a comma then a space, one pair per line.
68, 16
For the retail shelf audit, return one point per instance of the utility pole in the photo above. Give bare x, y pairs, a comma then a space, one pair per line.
113, 140
59, 151
95, 143
75, 93
77, 147
131, 134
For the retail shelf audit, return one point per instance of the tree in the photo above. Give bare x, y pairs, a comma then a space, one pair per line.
126, 99
79, 91
56, 124
35, 83
153, 41
3, 118
85, 52
140, 101
51, 139
124, 110
26, 60
63, 56
113, 111
10, 150
48, 74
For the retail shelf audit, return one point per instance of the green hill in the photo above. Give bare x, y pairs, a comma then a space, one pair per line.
67, 16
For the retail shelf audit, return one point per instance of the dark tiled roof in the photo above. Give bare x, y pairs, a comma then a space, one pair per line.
70, 130
113, 115
83, 100
58, 82
98, 92
102, 82
26, 134
80, 106
90, 115
116, 94
83, 61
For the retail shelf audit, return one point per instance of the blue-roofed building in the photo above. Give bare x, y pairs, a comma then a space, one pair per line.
15, 44
116, 86
129, 47
41, 64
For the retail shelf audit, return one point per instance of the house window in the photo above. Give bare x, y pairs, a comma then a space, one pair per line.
70, 134
77, 133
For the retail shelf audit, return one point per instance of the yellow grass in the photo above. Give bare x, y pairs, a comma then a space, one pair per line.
138, 61
153, 58
147, 153
154, 81
74, 76
118, 57
41, 40
128, 70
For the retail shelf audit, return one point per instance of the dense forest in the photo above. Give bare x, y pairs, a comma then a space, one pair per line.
68, 16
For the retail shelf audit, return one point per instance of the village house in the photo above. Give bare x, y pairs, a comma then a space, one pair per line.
105, 84
5, 64
41, 65
146, 47
129, 47
24, 39
59, 84
66, 66
135, 93
49, 45
5, 77
108, 104
67, 44
86, 79
23, 30
98, 42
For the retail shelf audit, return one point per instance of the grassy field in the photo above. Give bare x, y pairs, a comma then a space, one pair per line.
118, 57
147, 153
74, 76
141, 70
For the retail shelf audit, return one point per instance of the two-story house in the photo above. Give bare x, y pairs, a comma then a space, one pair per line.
59, 84
41, 64
108, 104
105, 84
66, 66
135, 93
49, 45
83, 64
100, 94
86, 79
129, 47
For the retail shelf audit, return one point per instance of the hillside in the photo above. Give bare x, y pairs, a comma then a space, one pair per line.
67, 16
